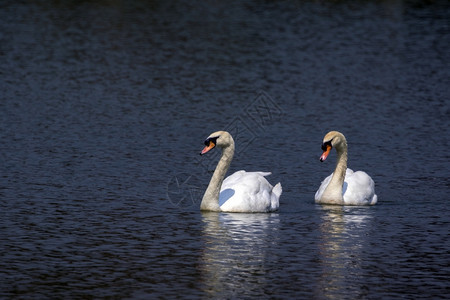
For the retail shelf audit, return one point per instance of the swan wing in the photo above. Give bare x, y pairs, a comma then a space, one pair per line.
359, 189
249, 192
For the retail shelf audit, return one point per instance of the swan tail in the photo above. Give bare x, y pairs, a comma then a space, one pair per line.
276, 193
277, 189
374, 200
264, 174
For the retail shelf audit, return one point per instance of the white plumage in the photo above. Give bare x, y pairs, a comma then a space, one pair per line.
358, 188
249, 192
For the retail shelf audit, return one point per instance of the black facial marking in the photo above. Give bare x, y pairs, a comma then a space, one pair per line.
211, 139
324, 145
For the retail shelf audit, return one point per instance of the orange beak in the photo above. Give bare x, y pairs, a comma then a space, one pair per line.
325, 153
208, 147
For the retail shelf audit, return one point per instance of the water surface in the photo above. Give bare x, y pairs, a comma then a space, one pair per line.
104, 108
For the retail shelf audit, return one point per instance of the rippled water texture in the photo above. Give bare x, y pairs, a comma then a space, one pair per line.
104, 108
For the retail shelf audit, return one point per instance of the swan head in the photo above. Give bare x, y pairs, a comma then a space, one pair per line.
333, 139
221, 139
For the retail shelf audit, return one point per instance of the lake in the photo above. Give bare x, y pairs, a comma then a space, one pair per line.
104, 109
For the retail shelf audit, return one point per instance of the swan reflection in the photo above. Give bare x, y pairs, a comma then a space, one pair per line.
343, 236
235, 251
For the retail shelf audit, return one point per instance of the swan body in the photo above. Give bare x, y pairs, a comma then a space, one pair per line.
343, 186
240, 192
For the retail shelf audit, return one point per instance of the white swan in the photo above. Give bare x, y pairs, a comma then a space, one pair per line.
343, 186
240, 192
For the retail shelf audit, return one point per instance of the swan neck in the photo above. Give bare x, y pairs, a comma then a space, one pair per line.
341, 167
333, 192
210, 199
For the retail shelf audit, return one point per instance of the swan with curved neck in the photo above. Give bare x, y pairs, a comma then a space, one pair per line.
240, 192
343, 186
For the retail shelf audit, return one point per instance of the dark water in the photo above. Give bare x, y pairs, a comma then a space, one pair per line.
104, 108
